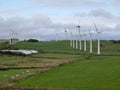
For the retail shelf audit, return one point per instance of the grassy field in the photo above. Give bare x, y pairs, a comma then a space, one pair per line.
107, 47
95, 73
84, 75
37, 61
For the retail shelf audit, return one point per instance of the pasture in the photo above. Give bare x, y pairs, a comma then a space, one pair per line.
99, 74
88, 72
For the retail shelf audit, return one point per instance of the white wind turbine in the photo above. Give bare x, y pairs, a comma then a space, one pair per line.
76, 41
71, 39
98, 35
79, 37
11, 37
57, 36
15, 37
65, 34
90, 41
84, 42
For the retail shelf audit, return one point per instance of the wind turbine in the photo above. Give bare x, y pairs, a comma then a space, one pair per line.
71, 39
90, 41
76, 41
12, 37
56, 36
98, 35
65, 34
79, 37
16, 37
84, 41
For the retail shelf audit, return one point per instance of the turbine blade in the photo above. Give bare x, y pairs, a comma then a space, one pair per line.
95, 27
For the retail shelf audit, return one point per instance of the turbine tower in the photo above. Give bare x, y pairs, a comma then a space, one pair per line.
71, 39
57, 36
79, 37
84, 42
13, 35
76, 40
90, 41
11, 38
98, 35
16, 37
65, 34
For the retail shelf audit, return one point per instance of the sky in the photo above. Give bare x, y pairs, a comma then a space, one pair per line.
46, 19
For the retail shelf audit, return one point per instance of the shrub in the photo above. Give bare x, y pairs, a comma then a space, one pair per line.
33, 40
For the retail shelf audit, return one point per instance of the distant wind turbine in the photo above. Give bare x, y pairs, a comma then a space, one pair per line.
65, 34
76, 41
90, 41
56, 36
79, 37
71, 39
13, 37
98, 35
84, 42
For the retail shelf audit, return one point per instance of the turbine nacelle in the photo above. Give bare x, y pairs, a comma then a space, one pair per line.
98, 32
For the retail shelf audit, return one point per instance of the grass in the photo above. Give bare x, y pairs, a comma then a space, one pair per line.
84, 75
98, 73
60, 47
37, 60
63, 47
7, 75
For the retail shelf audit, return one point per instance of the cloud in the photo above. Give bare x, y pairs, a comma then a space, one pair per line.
115, 3
101, 13
81, 14
32, 27
98, 15
42, 27
67, 3
14, 11
44, 18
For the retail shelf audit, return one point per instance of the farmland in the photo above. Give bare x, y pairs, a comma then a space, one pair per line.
84, 75
87, 72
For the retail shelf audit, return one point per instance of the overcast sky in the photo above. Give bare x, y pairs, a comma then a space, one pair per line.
44, 19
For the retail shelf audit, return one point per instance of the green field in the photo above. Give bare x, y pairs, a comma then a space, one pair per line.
86, 75
90, 72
